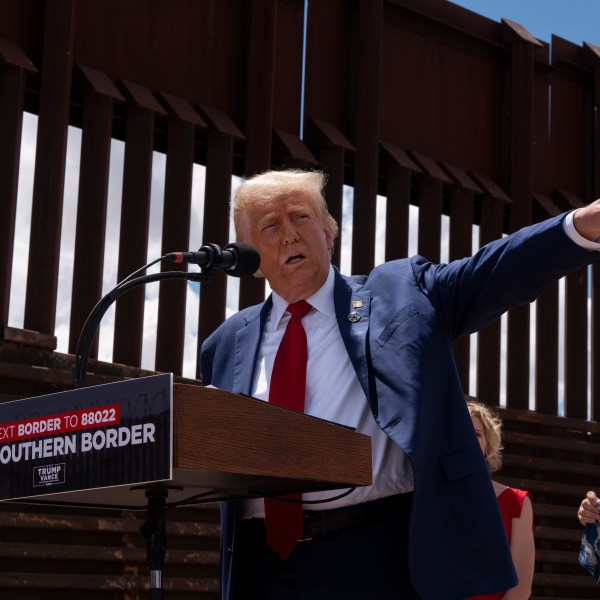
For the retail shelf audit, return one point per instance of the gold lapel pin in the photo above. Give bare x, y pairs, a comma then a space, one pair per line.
357, 303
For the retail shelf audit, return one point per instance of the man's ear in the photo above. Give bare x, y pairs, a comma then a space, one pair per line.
329, 239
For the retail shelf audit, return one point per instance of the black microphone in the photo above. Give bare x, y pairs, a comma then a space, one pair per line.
238, 260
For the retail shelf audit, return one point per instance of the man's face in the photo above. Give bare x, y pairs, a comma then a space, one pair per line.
294, 244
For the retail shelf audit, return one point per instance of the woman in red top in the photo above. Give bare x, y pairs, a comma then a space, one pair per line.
515, 505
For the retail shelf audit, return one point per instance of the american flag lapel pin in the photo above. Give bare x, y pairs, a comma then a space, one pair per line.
354, 317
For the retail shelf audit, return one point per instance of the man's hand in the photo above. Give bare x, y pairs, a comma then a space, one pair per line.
587, 221
588, 510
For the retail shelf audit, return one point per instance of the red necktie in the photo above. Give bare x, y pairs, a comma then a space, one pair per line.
283, 520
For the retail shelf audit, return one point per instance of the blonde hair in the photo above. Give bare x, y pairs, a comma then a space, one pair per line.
492, 429
272, 186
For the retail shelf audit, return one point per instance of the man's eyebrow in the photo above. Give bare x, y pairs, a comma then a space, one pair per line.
299, 208
266, 217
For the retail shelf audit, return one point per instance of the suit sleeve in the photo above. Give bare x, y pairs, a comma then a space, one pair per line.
512, 271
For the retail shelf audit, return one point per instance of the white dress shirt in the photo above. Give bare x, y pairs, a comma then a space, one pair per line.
575, 236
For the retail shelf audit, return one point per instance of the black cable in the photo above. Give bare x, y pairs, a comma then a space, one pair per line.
291, 501
193, 499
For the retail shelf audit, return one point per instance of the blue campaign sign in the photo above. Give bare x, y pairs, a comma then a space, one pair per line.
97, 437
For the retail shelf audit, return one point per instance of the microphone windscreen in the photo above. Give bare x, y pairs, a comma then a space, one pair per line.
248, 260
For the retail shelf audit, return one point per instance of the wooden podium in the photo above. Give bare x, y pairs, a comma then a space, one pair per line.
224, 446
148, 444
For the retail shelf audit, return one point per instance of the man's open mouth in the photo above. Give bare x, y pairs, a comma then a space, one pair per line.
294, 259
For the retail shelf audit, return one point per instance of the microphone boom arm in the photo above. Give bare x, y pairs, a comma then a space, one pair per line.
88, 332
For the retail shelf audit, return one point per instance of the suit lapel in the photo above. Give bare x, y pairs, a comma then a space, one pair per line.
353, 321
247, 343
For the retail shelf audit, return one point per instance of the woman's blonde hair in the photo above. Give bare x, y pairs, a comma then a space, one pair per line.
271, 186
492, 429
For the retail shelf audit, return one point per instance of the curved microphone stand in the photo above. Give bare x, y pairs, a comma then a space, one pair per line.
88, 332
239, 260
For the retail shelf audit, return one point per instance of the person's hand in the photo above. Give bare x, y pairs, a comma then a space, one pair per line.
586, 221
589, 512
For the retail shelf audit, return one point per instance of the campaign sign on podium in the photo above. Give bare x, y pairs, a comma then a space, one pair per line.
104, 436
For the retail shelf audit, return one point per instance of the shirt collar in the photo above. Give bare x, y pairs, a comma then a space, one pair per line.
322, 300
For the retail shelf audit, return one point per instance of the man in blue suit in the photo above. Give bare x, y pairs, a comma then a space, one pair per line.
379, 359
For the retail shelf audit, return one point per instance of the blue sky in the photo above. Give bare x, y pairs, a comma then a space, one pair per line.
575, 20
